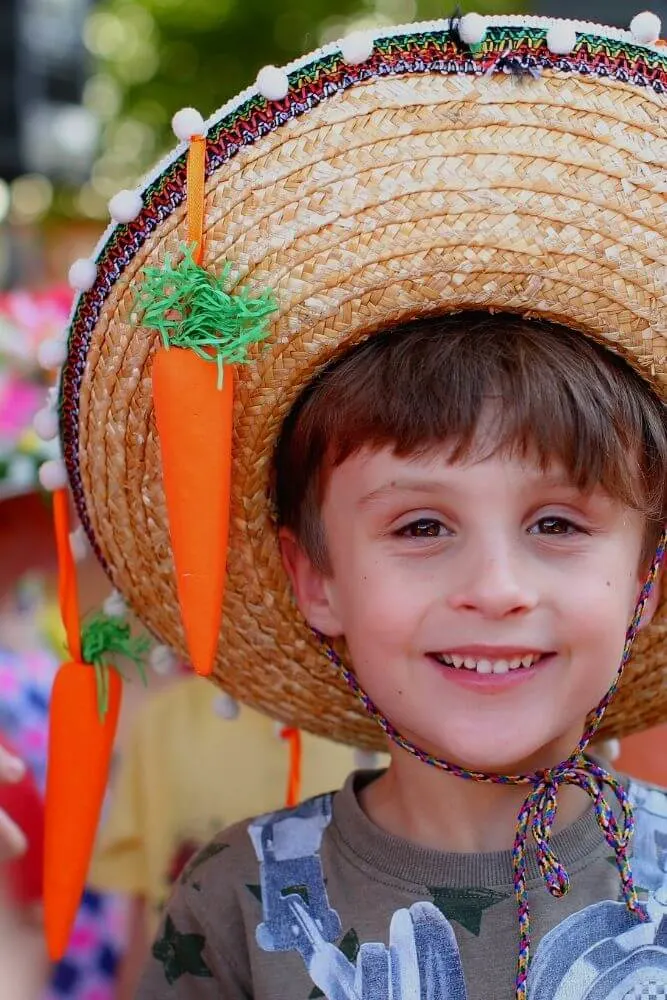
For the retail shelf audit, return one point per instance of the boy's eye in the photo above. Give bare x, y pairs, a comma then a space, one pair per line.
425, 527
553, 526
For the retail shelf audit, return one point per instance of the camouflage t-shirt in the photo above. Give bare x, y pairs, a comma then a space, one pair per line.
318, 901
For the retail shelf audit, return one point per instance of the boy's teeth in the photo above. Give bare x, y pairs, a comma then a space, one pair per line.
488, 666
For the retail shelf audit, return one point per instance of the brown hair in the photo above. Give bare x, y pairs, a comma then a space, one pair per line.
557, 393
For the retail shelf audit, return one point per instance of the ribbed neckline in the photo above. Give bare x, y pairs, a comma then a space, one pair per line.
404, 860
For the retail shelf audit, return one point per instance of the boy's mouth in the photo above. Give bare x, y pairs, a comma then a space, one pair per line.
488, 664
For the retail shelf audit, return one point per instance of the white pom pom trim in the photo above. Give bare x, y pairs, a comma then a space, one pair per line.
561, 39
53, 475
226, 707
366, 760
186, 123
78, 543
646, 27
472, 29
82, 274
114, 606
357, 47
45, 424
125, 206
51, 354
272, 83
163, 660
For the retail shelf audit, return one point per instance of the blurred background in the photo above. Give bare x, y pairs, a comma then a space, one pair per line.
87, 92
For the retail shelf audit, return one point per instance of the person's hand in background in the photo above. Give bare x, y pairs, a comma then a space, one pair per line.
12, 839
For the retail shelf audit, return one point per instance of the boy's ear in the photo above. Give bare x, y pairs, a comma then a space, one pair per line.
652, 603
312, 588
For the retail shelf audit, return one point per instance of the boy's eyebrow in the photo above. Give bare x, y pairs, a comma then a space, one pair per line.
552, 479
405, 485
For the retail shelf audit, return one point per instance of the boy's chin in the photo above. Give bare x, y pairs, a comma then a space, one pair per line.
502, 755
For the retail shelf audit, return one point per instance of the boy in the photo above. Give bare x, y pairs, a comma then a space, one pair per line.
473, 543
464, 497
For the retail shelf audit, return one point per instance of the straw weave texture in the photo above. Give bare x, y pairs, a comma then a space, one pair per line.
401, 197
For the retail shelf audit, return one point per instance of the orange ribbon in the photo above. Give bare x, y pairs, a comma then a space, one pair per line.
293, 736
67, 589
196, 179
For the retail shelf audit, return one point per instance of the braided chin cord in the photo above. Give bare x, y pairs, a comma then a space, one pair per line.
538, 813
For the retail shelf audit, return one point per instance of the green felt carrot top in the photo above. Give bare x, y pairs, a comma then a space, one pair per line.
190, 307
103, 635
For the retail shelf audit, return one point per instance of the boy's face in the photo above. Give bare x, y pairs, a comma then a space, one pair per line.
445, 578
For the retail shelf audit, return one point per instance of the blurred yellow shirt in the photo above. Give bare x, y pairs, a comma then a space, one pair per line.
186, 773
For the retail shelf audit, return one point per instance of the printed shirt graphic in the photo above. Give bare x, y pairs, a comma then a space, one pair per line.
601, 952
380, 941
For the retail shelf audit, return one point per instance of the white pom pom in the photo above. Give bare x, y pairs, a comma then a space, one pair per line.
646, 27
78, 543
125, 206
561, 38
472, 29
186, 123
366, 760
163, 660
272, 83
226, 707
357, 47
609, 749
82, 274
53, 475
115, 606
51, 354
45, 424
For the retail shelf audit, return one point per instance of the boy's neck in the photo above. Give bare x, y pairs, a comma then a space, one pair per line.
441, 811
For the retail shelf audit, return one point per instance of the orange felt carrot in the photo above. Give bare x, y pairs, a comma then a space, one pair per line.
83, 714
80, 747
204, 332
194, 421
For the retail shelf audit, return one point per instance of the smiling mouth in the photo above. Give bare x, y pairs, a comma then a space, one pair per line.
485, 665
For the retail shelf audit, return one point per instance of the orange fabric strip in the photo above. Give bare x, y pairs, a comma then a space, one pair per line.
195, 190
294, 781
67, 590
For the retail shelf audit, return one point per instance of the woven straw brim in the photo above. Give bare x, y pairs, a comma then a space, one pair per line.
401, 197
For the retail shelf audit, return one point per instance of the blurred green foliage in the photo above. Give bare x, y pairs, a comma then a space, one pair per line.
152, 57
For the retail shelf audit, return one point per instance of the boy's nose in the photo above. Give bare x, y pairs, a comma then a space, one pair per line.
493, 586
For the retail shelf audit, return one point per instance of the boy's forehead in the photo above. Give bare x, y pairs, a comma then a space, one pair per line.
374, 473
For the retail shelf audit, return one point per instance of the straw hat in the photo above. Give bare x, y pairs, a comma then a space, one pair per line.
512, 164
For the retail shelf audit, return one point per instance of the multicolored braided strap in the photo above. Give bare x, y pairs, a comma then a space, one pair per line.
538, 813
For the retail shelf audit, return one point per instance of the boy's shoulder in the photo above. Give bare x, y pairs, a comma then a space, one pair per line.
649, 844
646, 798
